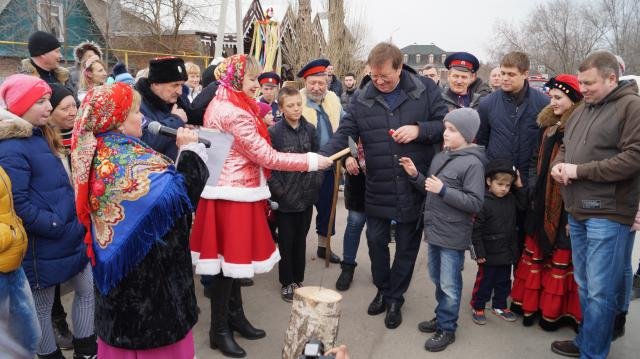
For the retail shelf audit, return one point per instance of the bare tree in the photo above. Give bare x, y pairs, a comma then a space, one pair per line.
46, 15
163, 17
556, 35
345, 41
623, 30
346, 38
299, 43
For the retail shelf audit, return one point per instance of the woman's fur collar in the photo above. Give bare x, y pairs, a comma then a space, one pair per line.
546, 117
12, 126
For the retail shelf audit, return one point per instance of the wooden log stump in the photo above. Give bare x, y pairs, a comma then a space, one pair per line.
315, 313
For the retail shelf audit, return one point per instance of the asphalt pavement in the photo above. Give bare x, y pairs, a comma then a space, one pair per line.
367, 337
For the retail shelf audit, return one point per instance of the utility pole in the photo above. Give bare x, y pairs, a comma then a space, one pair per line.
222, 25
239, 28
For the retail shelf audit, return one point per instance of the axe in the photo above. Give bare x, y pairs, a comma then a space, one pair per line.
337, 174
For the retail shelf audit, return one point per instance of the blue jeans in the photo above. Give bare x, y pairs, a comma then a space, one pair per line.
444, 269
20, 334
625, 295
598, 248
352, 233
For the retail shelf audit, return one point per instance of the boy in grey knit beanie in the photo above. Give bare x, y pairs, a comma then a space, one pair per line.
454, 189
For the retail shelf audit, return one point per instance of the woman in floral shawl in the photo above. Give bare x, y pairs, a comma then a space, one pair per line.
137, 209
231, 237
543, 282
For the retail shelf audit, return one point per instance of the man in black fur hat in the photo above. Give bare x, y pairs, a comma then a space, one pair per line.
162, 102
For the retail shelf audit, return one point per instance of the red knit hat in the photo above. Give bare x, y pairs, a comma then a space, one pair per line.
264, 109
19, 92
567, 84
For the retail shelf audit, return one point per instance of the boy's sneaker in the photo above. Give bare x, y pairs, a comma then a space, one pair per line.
478, 316
428, 326
287, 293
439, 341
505, 314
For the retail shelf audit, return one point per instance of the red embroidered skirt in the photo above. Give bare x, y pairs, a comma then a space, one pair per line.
546, 286
232, 237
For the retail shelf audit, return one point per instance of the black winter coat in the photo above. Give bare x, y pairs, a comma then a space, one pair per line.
294, 191
354, 191
494, 231
336, 85
201, 102
155, 304
452, 102
508, 129
369, 118
480, 87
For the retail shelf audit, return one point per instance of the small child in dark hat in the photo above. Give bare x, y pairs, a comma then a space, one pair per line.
495, 241
454, 188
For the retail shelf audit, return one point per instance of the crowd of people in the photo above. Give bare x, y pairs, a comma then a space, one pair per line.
541, 187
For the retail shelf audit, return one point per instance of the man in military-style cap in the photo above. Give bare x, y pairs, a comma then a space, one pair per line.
269, 86
462, 67
322, 109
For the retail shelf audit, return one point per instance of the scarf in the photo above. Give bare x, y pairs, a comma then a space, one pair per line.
128, 196
231, 73
549, 207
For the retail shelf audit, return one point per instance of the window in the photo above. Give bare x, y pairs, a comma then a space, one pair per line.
405, 58
430, 58
50, 18
417, 58
444, 57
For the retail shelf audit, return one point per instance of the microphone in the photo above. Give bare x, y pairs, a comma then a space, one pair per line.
157, 129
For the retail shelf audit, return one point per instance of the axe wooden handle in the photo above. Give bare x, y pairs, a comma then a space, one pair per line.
338, 155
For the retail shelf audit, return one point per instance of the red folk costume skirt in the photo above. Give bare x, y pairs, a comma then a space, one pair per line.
232, 237
546, 286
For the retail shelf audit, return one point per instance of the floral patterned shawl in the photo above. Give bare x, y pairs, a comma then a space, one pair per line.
128, 196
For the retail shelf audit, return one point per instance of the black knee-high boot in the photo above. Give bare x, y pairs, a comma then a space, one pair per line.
85, 348
237, 319
220, 335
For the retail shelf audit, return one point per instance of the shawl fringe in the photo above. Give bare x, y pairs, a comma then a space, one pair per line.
169, 208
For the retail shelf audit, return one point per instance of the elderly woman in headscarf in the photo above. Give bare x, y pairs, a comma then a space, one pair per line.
543, 283
231, 237
136, 205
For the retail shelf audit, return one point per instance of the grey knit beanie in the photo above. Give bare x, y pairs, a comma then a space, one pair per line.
466, 120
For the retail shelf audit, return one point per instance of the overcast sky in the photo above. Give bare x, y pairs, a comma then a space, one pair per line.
453, 25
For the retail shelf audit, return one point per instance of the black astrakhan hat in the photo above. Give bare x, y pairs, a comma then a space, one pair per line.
167, 69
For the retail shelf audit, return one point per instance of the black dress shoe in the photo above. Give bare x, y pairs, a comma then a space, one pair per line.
566, 348
245, 282
322, 253
394, 316
377, 305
